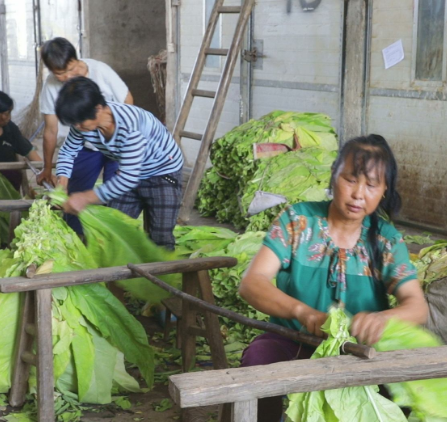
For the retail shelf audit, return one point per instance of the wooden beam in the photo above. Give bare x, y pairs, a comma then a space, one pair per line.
354, 69
246, 384
15, 205
21, 165
44, 346
245, 411
72, 278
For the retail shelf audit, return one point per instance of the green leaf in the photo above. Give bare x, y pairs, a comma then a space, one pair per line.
425, 397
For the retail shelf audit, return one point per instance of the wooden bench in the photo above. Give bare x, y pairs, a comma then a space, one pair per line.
244, 386
36, 320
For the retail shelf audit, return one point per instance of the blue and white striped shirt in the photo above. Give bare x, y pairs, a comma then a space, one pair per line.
141, 144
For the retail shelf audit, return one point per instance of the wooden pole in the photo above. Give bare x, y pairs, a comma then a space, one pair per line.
356, 349
298, 376
73, 278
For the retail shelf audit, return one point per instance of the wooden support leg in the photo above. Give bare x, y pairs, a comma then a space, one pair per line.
189, 316
212, 326
45, 378
25, 343
14, 220
245, 411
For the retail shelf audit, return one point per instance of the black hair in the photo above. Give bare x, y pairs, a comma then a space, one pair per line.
370, 152
77, 101
6, 102
57, 53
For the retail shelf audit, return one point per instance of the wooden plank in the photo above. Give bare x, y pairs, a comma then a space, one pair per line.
45, 380
21, 165
354, 68
190, 285
245, 411
15, 218
244, 384
73, 278
19, 382
212, 326
194, 181
15, 205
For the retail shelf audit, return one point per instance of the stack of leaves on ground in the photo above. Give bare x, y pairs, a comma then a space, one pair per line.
234, 164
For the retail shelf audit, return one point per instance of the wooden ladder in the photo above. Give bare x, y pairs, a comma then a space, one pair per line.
219, 95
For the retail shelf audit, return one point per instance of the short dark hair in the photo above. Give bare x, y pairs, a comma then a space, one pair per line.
57, 53
77, 101
6, 102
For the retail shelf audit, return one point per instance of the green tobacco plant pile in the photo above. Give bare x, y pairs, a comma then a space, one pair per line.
301, 175
431, 263
114, 239
7, 192
203, 241
235, 168
92, 330
365, 404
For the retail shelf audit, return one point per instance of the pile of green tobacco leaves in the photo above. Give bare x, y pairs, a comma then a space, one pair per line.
214, 241
114, 239
237, 174
431, 263
7, 192
364, 404
92, 330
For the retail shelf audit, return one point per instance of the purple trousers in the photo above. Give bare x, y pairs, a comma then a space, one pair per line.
271, 348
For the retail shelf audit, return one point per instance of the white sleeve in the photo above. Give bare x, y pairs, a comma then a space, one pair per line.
49, 95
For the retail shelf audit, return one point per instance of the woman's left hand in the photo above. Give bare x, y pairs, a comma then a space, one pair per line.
368, 327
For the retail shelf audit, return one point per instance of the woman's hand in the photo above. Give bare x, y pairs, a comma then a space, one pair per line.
368, 327
311, 319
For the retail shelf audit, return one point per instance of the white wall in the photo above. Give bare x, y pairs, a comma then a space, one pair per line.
21, 56
415, 127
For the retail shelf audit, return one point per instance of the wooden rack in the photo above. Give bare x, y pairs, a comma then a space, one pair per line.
244, 386
36, 320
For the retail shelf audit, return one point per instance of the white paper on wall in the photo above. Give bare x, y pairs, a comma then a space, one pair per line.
393, 54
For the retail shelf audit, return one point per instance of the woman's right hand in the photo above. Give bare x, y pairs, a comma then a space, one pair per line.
312, 320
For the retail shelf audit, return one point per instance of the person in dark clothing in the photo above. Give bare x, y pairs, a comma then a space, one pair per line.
12, 142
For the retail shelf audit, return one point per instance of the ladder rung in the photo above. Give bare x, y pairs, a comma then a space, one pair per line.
191, 135
30, 358
217, 51
203, 93
229, 9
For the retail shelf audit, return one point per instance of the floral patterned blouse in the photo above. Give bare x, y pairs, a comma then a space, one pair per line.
319, 273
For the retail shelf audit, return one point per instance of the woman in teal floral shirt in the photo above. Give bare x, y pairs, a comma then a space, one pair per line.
339, 252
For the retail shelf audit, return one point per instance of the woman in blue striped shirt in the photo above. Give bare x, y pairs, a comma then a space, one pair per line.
150, 161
